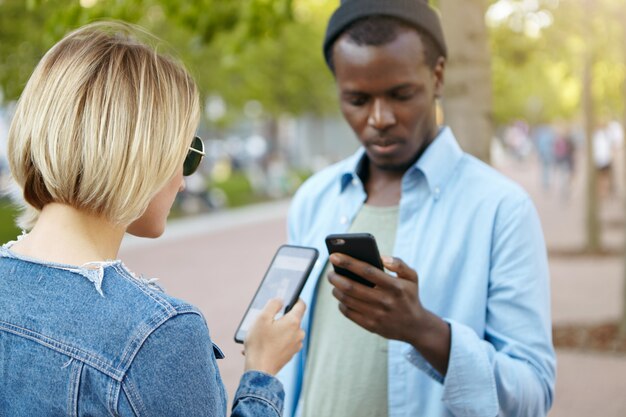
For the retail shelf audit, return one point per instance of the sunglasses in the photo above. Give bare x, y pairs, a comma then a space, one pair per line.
194, 156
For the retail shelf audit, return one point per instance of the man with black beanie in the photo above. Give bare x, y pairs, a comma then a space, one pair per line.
458, 324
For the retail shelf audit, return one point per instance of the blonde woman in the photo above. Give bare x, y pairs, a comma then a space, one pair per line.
101, 139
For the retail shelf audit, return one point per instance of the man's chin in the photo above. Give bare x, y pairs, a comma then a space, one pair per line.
395, 165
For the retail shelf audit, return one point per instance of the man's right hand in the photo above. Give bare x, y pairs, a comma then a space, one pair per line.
270, 343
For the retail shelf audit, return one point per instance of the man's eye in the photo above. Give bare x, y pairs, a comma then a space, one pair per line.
403, 95
357, 100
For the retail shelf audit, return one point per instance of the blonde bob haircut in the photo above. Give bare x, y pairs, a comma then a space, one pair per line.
104, 122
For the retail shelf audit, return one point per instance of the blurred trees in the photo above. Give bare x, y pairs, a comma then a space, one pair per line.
268, 53
538, 60
562, 60
238, 50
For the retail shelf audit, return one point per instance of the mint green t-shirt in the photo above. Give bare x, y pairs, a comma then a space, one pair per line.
346, 370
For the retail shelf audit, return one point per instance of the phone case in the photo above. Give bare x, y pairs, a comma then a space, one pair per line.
361, 246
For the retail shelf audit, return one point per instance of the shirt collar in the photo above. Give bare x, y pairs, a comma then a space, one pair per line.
436, 163
440, 160
351, 167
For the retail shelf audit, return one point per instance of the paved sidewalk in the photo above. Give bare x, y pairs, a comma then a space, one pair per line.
216, 261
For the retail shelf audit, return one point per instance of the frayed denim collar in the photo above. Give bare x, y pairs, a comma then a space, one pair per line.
92, 271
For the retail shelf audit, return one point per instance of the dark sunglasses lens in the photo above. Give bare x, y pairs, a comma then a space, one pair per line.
192, 161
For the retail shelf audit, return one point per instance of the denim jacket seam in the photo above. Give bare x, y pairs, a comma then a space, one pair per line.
166, 312
126, 383
259, 397
245, 391
137, 341
143, 288
60, 347
113, 396
74, 388
134, 399
139, 337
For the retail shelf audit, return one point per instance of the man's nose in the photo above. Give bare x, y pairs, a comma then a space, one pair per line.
381, 115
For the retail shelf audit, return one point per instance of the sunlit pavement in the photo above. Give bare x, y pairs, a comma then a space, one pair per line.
216, 261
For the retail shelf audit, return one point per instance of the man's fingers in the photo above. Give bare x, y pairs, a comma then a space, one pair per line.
401, 269
363, 307
362, 269
356, 317
348, 286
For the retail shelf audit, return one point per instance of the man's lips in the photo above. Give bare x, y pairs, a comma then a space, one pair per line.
384, 145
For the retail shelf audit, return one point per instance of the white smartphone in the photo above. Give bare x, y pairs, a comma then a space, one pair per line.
284, 279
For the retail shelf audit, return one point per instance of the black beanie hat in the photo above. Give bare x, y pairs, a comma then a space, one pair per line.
416, 13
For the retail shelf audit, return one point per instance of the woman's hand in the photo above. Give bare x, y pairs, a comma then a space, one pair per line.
270, 343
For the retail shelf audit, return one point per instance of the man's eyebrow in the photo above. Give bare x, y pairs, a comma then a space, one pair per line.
349, 91
401, 86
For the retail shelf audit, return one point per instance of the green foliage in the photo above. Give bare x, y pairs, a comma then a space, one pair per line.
240, 50
539, 78
8, 229
239, 191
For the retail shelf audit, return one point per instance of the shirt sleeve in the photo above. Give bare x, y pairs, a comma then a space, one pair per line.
510, 370
175, 373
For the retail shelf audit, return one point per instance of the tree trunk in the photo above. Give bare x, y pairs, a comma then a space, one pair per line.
592, 216
467, 93
622, 326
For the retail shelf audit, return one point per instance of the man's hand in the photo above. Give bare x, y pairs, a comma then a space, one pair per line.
392, 308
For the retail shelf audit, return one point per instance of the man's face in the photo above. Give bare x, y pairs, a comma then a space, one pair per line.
387, 95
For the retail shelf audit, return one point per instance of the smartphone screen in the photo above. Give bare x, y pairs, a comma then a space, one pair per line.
284, 279
361, 246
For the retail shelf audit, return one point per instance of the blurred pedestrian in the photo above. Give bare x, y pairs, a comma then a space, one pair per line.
604, 141
544, 137
564, 158
101, 139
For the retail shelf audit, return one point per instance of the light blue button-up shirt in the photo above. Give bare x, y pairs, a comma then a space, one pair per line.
475, 240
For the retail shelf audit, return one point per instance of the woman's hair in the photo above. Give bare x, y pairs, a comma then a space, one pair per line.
104, 122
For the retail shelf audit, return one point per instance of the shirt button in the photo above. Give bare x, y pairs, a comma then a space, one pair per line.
355, 181
343, 220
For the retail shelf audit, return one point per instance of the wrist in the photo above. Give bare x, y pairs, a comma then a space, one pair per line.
431, 338
251, 365
427, 327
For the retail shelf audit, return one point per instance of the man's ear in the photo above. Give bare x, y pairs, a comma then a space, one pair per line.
439, 73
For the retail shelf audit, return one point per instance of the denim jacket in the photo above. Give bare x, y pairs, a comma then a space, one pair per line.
97, 341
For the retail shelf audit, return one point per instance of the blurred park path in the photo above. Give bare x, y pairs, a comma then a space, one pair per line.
216, 261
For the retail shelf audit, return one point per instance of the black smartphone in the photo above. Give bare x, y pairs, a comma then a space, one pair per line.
284, 279
361, 246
